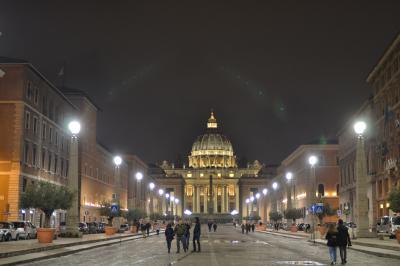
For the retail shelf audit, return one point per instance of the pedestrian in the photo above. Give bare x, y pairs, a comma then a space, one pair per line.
169, 236
215, 227
243, 227
143, 229
253, 226
157, 228
187, 235
196, 235
332, 237
247, 228
209, 223
180, 231
343, 240
148, 226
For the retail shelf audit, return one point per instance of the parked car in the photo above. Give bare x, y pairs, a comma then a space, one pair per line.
383, 224
83, 228
93, 227
125, 227
24, 229
7, 232
395, 226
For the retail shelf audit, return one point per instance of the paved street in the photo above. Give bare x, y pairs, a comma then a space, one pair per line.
225, 247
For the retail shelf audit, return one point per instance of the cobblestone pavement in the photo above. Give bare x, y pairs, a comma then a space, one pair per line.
225, 247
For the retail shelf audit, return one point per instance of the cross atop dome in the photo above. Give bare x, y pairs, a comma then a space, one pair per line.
212, 122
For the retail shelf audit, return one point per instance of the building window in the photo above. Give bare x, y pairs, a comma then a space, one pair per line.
51, 134
29, 90
35, 125
56, 164
66, 167
34, 155
44, 131
321, 190
61, 166
27, 120
43, 158
36, 95
49, 162
26, 152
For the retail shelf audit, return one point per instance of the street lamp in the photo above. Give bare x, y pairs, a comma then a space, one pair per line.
176, 201
117, 161
361, 182
289, 177
160, 192
275, 185
139, 176
73, 179
265, 191
167, 195
258, 195
151, 186
251, 198
313, 160
248, 210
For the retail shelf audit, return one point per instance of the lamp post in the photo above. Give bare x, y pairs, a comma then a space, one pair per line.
265, 192
247, 202
73, 180
117, 182
251, 205
313, 160
258, 195
151, 187
289, 178
361, 212
161, 205
139, 177
167, 202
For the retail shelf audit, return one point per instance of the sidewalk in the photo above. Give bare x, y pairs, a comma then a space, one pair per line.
383, 248
23, 251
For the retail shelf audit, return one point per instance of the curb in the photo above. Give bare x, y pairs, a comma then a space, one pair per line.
282, 235
56, 252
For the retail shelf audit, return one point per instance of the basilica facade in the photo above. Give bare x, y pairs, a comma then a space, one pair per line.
212, 183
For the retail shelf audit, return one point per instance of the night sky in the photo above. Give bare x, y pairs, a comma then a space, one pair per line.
277, 73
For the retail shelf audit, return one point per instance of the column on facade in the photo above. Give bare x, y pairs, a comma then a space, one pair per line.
151, 202
198, 199
215, 199
163, 205
237, 198
223, 199
184, 198
205, 199
227, 198
194, 198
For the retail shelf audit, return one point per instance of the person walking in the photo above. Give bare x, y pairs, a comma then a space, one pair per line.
169, 236
157, 225
148, 226
253, 226
343, 240
196, 235
143, 229
187, 235
243, 227
209, 226
180, 231
332, 237
247, 228
215, 227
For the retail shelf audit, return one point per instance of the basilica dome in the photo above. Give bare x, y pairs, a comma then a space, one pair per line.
212, 149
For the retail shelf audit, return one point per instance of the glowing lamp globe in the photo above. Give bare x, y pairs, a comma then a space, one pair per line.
172, 198
160, 192
151, 186
360, 127
312, 160
265, 191
258, 195
74, 127
117, 160
167, 195
289, 176
139, 176
251, 198
176, 201
274, 185
247, 201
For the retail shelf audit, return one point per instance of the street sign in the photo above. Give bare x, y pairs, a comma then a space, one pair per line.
114, 209
317, 208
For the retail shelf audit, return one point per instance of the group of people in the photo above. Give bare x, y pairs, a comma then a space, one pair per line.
212, 225
182, 233
338, 237
248, 227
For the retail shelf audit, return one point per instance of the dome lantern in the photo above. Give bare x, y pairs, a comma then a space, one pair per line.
212, 122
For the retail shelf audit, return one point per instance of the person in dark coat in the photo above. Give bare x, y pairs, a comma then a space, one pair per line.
332, 237
148, 226
196, 235
253, 226
243, 227
247, 228
343, 240
187, 235
209, 226
215, 227
169, 236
